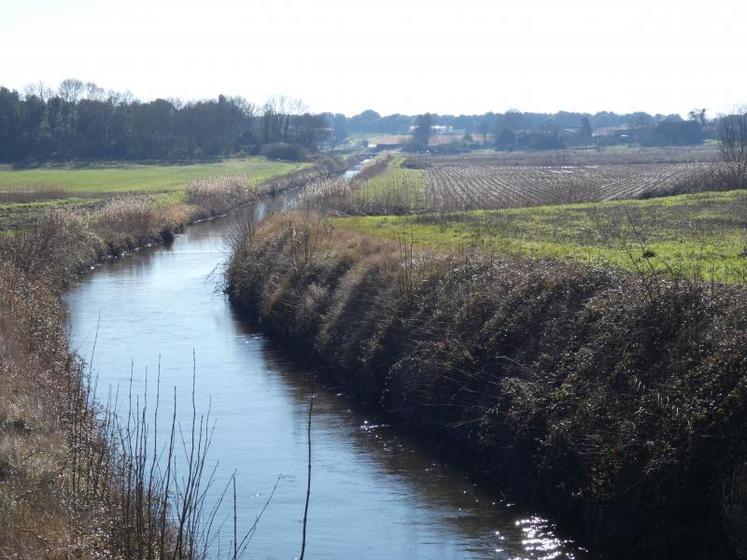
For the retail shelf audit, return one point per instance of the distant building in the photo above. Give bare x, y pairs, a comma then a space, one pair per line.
438, 129
623, 131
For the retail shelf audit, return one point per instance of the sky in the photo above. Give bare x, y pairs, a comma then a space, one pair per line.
393, 56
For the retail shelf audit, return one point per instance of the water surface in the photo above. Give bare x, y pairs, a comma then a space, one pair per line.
375, 494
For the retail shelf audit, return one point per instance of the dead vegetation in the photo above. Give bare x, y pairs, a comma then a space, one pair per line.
32, 194
75, 480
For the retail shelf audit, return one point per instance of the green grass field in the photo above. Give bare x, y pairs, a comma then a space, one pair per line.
50, 187
396, 187
701, 235
128, 178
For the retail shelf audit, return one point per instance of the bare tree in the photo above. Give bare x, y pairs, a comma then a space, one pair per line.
94, 92
71, 90
40, 90
733, 145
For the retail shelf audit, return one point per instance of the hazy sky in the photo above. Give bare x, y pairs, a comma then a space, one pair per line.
456, 56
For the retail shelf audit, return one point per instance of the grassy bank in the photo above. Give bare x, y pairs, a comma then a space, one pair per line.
616, 400
74, 481
697, 236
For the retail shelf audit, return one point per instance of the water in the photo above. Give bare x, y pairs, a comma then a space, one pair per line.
375, 494
353, 171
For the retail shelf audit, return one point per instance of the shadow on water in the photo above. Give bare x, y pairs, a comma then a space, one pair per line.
375, 493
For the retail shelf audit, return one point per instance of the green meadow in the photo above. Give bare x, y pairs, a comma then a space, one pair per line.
700, 235
128, 178
26, 194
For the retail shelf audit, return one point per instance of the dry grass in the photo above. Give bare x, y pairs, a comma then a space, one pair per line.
219, 194
31, 193
75, 480
130, 214
36, 376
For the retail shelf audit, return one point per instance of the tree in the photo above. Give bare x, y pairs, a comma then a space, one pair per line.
586, 131
698, 116
484, 127
10, 125
514, 119
338, 123
505, 140
733, 146
421, 132
673, 131
71, 90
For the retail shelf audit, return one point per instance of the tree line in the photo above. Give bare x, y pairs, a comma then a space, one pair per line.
526, 130
82, 121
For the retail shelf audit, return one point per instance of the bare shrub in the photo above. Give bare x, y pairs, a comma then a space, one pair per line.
55, 246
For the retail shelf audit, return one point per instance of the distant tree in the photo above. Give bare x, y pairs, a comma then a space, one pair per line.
733, 146
698, 116
674, 131
94, 92
549, 140
505, 140
39, 90
71, 90
514, 119
336, 125
91, 129
484, 127
339, 128
641, 125
586, 131
421, 132
245, 129
309, 131
10, 125
366, 121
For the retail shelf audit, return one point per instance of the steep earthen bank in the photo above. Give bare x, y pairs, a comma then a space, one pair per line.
618, 401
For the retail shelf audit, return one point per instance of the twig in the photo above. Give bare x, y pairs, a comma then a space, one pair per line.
308, 481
